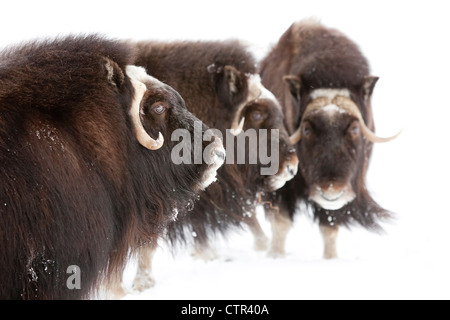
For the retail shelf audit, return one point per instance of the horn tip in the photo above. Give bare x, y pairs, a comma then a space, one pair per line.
237, 130
158, 143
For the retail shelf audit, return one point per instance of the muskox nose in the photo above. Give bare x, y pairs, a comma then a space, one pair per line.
292, 166
332, 196
292, 170
220, 153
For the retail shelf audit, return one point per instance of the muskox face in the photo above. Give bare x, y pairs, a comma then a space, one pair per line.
157, 111
330, 150
334, 145
271, 159
265, 117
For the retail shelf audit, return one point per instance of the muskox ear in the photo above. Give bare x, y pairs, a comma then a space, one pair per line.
368, 86
114, 74
232, 77
230, 84
293, 84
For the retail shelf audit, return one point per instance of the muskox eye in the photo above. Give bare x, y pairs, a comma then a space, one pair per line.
306, 130
354, 129
158, 108
256, 116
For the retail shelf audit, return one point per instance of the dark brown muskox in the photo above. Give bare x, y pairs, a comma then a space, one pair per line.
220, 85
82, 180
324, 85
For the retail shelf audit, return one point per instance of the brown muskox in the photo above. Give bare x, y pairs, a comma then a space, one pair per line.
324, 85
82, 180
220, 85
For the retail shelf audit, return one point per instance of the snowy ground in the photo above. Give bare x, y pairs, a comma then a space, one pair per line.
406, 43
399, 265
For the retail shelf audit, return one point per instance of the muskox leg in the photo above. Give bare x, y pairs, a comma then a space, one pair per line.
115, 289
261, 242
203, 251
113, 285
281, 224
329, 235
144, 278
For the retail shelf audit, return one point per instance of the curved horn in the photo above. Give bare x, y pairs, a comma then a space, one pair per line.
372, 137
255, 89
296, 136
237, 127
315, 105
141, 135
349, 106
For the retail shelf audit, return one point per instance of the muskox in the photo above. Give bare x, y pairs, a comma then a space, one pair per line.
323, 82
85, 164
220, 85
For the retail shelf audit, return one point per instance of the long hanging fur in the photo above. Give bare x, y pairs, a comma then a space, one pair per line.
198, 70
76, 188
319, 57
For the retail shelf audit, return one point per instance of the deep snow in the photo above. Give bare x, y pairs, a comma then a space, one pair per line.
406, 44
398, 265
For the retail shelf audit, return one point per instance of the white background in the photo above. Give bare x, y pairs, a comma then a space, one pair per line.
407, 44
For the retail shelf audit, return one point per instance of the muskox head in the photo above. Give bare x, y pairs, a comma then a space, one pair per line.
334, 139
264, 152
157, 110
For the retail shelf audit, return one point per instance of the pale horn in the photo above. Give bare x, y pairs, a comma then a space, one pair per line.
141, 135
346, 105
296, 136
255, 89
349, 106
236, 128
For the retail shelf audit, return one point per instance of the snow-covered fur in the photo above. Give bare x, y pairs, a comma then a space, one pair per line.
215, 79
311, 62
77, 189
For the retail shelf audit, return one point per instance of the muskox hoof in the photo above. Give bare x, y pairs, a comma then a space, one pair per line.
117, 293
142, 282
261, 243
329, 256
205, 254
276, 253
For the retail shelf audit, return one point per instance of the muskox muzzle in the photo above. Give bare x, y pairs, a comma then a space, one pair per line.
286, 172
216, 158
332, 196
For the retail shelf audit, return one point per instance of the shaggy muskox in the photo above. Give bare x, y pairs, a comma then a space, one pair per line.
220, 85
324, 85
82, 179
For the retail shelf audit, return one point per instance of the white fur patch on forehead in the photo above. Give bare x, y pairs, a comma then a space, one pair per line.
332, 109
254, 86
268, 95
258, 91
141, 75
255, 91
330, 93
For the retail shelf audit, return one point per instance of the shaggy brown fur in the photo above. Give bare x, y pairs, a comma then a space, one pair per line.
307, 57
76, 187
212, 77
